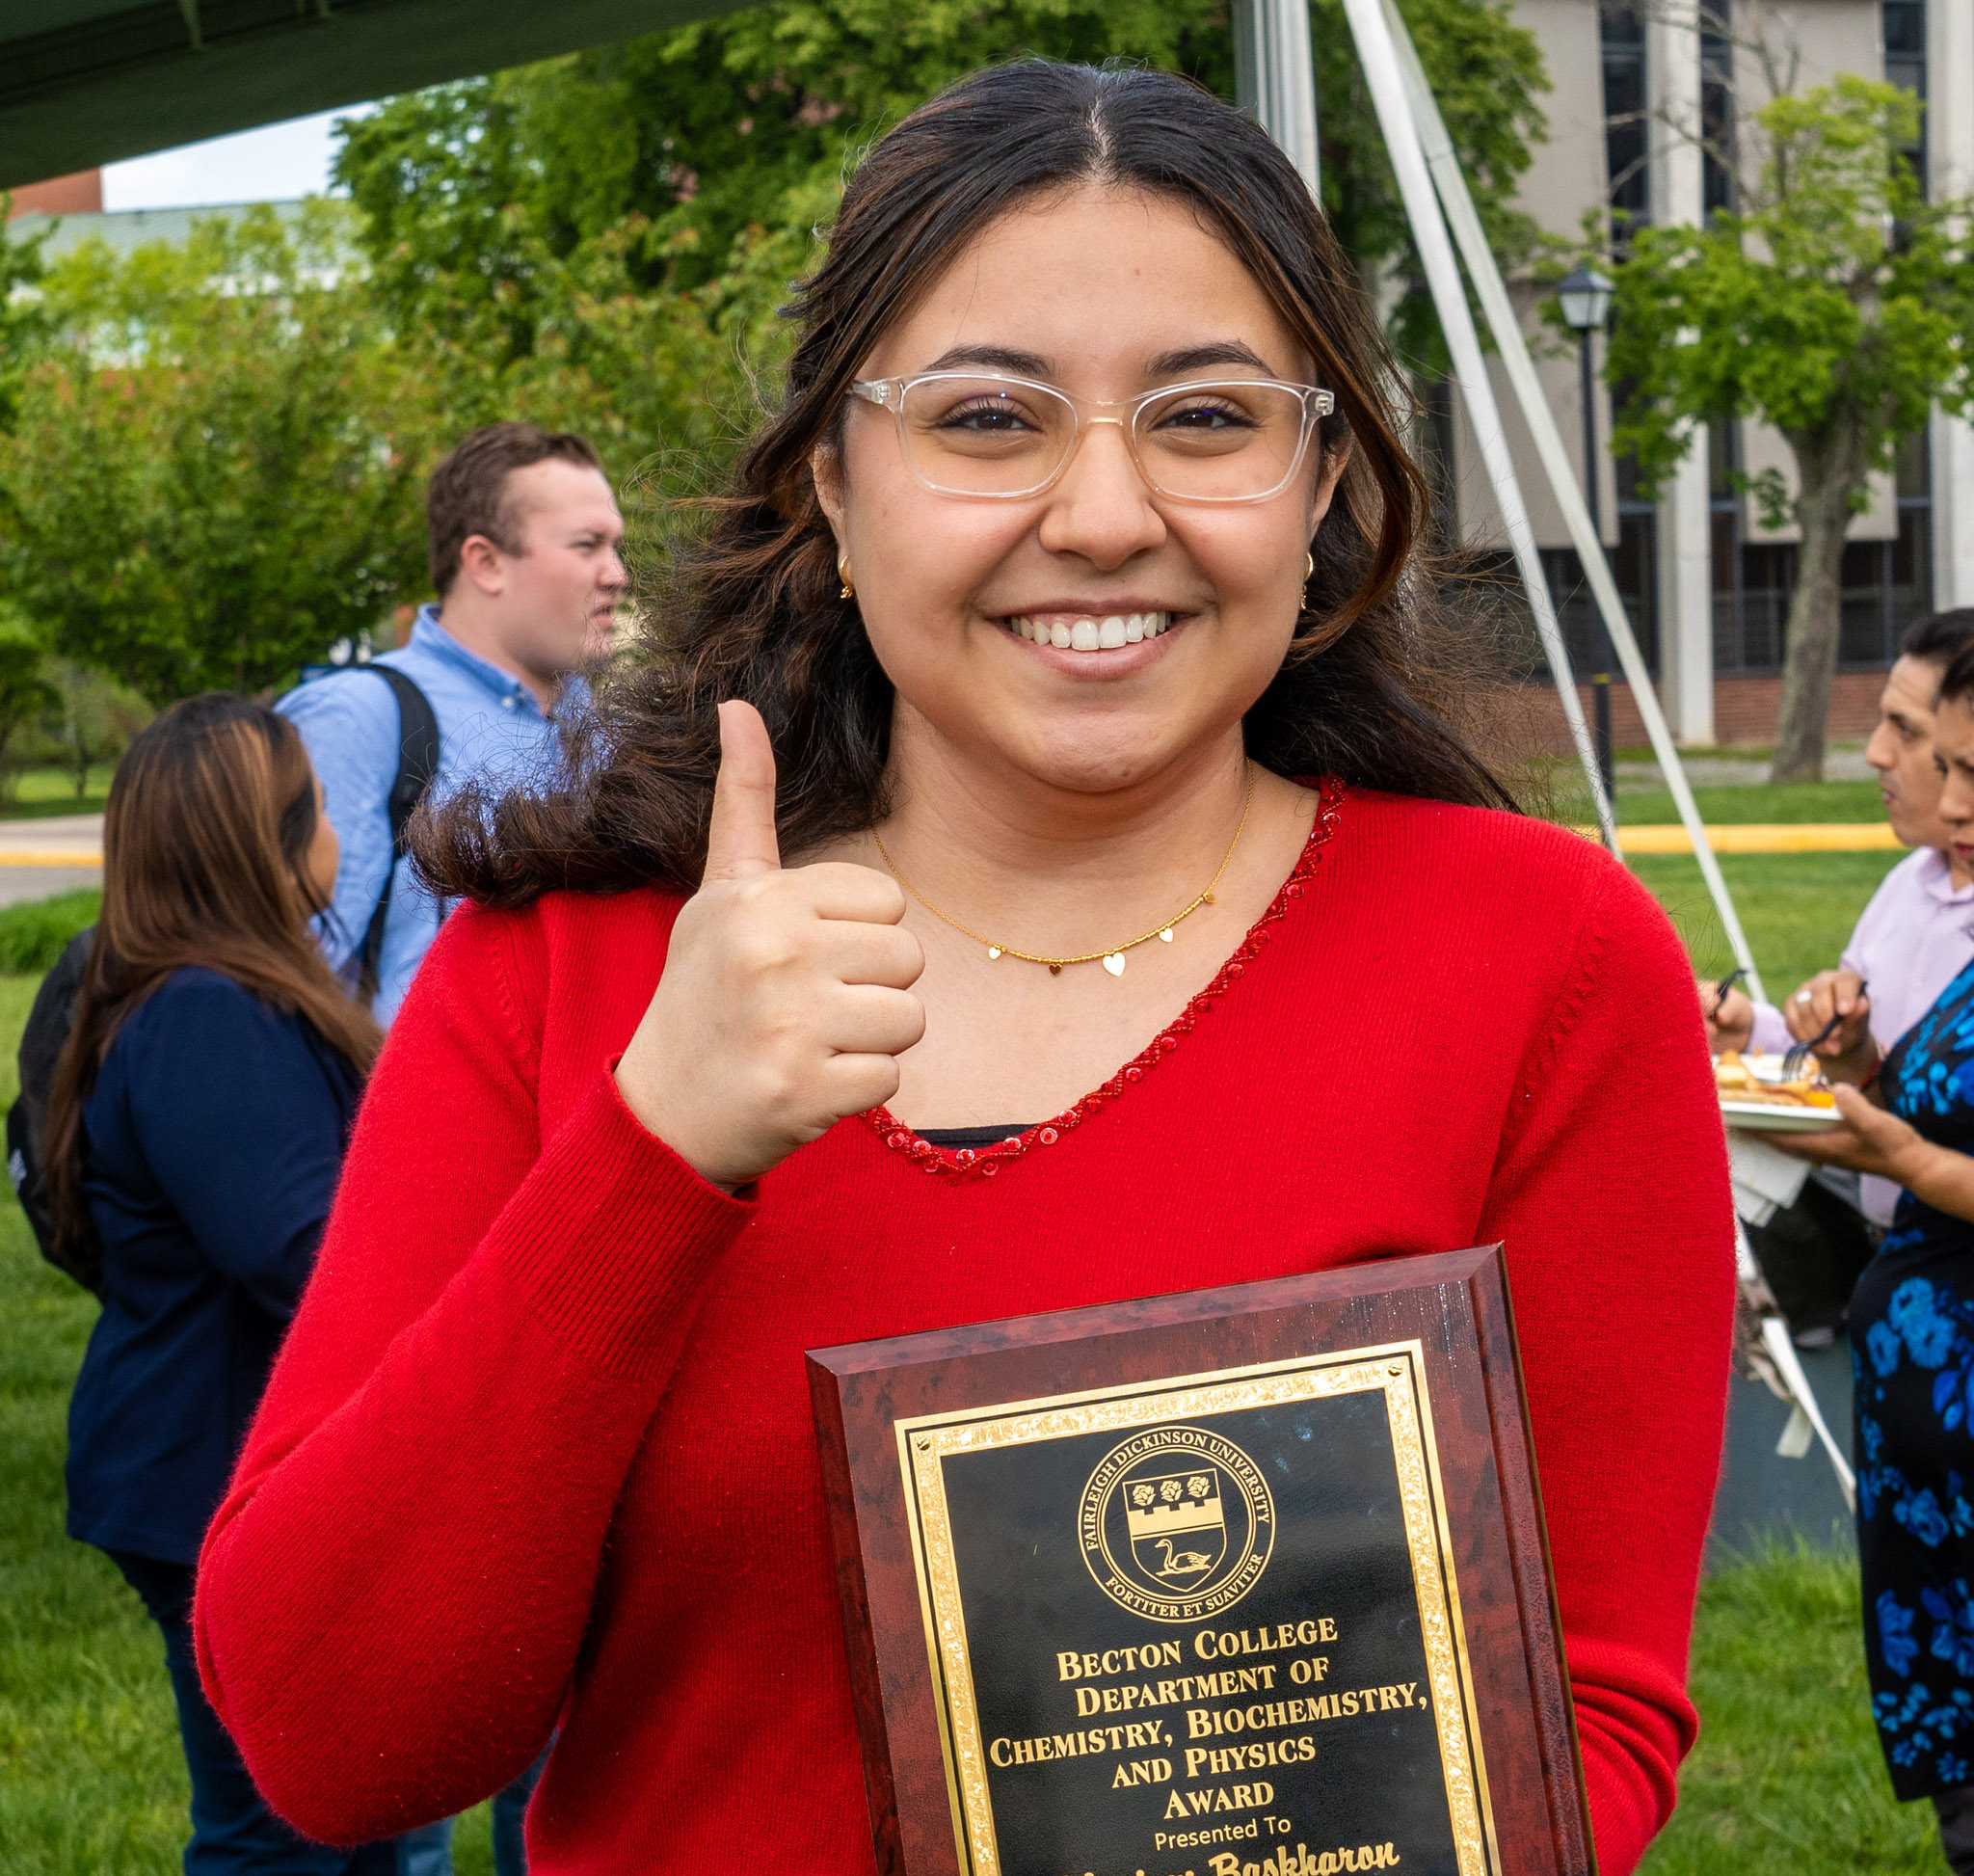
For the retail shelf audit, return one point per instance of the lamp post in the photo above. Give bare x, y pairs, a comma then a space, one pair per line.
1584, 296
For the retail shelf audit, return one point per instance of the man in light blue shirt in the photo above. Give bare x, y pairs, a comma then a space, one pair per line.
525, 535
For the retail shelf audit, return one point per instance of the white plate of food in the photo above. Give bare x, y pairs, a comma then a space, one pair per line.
1755, 1096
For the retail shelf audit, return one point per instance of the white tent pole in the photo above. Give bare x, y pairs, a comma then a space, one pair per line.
1444, 164
1781, 1351
1379, 59
1274, 77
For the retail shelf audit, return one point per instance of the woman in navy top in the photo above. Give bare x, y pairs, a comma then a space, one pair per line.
197, 1125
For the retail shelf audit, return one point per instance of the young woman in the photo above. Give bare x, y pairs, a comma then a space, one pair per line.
197, 1124
1912, 1349
1077, 899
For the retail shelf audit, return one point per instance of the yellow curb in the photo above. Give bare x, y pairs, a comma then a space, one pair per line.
1752, 837
43, 858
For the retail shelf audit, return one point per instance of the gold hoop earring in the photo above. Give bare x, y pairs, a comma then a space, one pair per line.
849, 591
1309, 565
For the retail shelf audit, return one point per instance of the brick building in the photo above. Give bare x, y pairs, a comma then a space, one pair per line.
1706, 585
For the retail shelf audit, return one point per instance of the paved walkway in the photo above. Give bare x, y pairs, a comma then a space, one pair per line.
1734, 771
39, 858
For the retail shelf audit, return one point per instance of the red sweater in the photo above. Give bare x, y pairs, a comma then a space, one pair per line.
539, 1446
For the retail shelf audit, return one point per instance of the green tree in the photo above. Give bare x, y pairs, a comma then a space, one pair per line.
25, 691
23, 322
88, 719
1838, 305
1487, 77
216, 468
631, 218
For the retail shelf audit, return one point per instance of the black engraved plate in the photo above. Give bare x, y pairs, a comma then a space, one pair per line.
1203, 1623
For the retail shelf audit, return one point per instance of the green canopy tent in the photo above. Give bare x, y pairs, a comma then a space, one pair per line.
83, 82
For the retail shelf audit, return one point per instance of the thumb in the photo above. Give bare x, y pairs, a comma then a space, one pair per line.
740, 838
1856, 1108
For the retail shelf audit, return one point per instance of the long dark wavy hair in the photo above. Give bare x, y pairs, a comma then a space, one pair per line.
752, 608
206, 836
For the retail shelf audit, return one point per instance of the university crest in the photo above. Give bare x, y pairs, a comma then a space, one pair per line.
1176, 1523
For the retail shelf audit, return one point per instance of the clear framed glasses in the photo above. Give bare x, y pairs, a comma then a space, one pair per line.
995, 437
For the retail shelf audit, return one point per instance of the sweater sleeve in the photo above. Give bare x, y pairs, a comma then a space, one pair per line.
391, 1596
1612, 1195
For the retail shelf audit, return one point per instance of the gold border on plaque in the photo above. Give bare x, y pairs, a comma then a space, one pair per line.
1393, 1369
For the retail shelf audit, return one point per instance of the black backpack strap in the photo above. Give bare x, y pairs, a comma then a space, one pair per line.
41, 1045
417, 762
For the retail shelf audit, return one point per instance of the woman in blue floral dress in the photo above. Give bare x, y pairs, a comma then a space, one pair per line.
1912, 1341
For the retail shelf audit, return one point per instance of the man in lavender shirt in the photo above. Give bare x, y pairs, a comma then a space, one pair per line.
1917, 933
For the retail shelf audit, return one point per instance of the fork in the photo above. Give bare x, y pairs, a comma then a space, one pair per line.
1797, 1057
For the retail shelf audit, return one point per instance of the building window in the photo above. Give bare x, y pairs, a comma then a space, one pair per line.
1633, 560
1634, 565
1752, 579
1434, 450
1884, 584
1626, 127
1887, 584
1903, 26
1717, 107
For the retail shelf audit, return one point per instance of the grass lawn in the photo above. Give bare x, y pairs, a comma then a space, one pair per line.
1793, 803
1555, 788
1786, 1776
32, 933
90, 1774
37, 792
1797, 908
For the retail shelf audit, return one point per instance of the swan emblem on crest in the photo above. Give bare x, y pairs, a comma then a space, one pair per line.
1188, 1563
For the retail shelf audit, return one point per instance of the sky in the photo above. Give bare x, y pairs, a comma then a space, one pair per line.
275, 163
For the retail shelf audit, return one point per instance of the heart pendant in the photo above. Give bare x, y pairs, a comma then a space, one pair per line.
993, 951
1114, 964
1167, 935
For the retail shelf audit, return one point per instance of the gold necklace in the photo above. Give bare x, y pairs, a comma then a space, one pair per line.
1112, 960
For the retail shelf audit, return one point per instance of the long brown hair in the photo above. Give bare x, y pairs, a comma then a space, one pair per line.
205, 844
754, 609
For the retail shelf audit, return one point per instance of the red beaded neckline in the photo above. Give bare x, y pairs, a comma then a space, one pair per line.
968, 1162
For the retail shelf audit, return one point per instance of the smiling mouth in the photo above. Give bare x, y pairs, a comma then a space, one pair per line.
1109, 634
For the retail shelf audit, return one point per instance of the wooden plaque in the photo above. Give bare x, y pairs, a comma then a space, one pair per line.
1248, 1582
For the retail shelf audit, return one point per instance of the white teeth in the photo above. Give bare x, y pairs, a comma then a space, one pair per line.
1107, 635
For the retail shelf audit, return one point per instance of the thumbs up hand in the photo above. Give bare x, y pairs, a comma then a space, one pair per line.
786, 995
